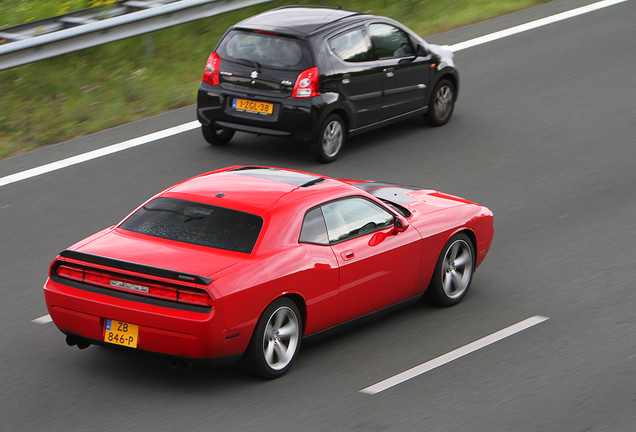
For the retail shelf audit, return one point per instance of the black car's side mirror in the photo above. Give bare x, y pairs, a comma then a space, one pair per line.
421, 51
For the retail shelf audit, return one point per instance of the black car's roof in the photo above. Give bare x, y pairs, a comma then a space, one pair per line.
299, 20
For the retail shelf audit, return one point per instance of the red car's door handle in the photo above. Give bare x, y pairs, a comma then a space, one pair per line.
347, 255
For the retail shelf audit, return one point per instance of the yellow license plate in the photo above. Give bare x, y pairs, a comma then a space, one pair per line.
253, 106
121, 333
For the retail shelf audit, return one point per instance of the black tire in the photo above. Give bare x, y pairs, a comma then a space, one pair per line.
453, 272
331, 138
270, 354
441, 104
216, 137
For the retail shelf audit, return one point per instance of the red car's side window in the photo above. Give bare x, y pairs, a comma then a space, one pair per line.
352, 217
314, 229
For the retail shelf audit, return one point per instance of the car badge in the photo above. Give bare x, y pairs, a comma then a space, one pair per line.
254, 74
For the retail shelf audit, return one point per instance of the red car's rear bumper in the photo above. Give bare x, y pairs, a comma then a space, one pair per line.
164, 330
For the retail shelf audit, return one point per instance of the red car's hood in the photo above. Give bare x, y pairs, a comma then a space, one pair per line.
424, 200
429, 201
156, 252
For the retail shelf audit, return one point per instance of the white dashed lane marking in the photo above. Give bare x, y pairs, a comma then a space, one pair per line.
453, 355
84, 157
534, 24
42, 320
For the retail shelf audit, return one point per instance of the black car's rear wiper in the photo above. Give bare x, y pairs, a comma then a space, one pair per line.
256, 64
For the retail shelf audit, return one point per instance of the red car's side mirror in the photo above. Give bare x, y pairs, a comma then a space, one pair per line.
399, 225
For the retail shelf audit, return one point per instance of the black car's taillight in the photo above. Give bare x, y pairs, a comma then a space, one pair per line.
211, 73
306, 84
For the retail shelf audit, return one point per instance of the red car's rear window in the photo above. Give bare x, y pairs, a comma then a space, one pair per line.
196, 223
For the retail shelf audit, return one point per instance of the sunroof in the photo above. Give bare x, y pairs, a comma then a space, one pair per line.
290, 177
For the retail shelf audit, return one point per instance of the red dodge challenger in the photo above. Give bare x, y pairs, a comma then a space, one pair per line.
243, 263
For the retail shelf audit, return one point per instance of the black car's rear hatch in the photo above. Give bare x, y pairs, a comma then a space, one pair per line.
262, 62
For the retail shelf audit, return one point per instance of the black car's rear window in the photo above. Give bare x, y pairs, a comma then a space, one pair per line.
196, 223
267, 50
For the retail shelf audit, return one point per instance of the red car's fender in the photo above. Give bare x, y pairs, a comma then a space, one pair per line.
308, 271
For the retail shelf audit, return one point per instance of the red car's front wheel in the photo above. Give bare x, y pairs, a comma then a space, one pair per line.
453, 272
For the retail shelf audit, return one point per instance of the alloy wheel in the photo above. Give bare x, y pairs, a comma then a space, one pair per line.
332, 138
457, 269
282, 334
443, 102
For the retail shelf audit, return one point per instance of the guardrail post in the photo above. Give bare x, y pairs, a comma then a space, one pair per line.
148, 42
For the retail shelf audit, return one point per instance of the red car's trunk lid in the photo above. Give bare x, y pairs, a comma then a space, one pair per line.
165, 254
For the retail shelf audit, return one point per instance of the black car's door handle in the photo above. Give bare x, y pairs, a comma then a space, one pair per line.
389, 72
346, 78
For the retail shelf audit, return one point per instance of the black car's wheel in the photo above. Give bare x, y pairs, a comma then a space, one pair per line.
275, 341
442, 103
330, 139
453, 272
217, 137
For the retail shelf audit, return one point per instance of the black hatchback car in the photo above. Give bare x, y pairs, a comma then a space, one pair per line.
319, 75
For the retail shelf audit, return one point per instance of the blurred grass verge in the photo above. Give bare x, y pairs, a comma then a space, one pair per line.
76, 94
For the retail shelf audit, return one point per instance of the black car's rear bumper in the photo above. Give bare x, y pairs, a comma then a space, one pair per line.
291, 117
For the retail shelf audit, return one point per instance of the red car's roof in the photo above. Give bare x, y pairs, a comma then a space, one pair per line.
253, 189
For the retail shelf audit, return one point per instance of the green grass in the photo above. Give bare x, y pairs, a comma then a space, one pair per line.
15, 12
80, 93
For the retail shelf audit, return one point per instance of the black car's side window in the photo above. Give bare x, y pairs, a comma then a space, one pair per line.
390, 41
352, 217
352, 46
314, 229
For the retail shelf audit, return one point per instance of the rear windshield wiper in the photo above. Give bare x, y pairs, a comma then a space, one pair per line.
256, 64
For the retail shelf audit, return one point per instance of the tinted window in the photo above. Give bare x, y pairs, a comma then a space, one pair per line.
352, 46
390, 41
265, 49
353, 217
279, 175
195, 223
314, 229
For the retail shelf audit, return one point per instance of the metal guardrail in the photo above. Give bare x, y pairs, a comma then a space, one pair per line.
87, 28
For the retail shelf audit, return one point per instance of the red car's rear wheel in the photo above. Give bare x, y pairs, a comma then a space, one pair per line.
276, 340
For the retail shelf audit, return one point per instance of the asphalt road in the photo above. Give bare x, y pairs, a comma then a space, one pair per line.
543, 134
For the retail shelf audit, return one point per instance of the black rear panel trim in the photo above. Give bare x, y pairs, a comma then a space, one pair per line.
127, 296
139, 268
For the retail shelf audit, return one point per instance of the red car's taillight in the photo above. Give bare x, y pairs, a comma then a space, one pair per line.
135, 286
72, 273
306, 84
194, 297
211, 73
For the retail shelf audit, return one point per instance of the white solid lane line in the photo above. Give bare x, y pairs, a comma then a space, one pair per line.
33, 172
42, 320
195, 124
453, 355
534, 24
